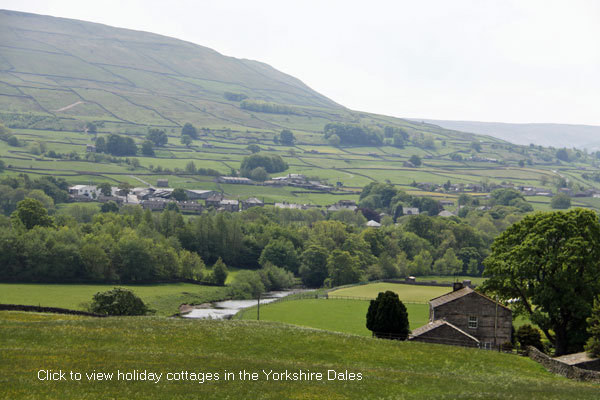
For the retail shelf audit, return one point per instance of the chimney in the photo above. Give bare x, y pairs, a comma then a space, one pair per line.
457, 286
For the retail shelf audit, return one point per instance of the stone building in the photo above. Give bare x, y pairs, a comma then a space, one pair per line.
465, 317
251, 202
229, 205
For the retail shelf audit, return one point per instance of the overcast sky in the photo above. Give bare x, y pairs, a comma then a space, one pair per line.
482, 60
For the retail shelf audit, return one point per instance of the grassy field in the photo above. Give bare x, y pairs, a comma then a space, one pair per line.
164, 298
408, 293
346, 316
389, 369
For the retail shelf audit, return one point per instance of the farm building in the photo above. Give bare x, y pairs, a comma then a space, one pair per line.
157, 204
343, 205
214, 200
465, 317
251, 202
162, 183
236, 180
199, 194
292, 206
85, 190
410, 211
229, 205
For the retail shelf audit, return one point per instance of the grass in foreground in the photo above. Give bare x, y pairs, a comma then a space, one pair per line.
346, 316
407, 293
390, 369
164, 298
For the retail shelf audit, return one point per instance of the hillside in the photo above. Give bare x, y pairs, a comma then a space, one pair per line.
73, 69
56, 71
388, 369
556, 135
59, 75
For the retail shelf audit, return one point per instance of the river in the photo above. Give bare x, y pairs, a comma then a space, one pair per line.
228, 308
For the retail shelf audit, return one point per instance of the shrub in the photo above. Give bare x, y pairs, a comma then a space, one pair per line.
275, 278
247, 285
118, 301
528, 335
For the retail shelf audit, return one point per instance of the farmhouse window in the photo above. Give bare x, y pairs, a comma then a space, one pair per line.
473, 322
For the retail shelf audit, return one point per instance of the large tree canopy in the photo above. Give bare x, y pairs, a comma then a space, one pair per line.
550, 263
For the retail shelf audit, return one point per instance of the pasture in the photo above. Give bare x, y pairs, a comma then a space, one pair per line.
353, 167
345, 316
406, 293
164, 298
389, 369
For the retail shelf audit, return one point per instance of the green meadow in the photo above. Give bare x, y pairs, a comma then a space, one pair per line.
406, 293
346, 316
164, 298
30, 343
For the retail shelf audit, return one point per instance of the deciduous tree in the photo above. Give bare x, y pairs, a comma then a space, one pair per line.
32, 213
549, 261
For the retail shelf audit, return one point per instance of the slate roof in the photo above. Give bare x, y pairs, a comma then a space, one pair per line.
448, 297
457, 294
574, 359
436, 324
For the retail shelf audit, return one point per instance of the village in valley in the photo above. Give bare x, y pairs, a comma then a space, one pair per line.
179, 223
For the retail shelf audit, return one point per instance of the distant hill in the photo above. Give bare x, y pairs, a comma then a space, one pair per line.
556, 135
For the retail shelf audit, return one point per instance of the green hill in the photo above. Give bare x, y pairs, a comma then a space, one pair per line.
58, 75
388, 369
67, 70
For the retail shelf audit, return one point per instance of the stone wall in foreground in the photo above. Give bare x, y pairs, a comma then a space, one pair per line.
561, 368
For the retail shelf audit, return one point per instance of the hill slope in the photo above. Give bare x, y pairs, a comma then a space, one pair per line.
389, 369
57, 74
556, 135
70, 68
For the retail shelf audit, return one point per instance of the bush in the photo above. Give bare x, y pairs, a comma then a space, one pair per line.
118, 301
275, 278
528, 335
388, 316
246, 285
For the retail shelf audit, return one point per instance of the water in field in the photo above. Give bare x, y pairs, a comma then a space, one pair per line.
228, 308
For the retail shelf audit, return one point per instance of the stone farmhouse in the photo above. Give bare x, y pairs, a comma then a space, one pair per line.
465, 317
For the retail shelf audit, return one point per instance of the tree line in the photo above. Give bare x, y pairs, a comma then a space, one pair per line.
269, 107
81, 244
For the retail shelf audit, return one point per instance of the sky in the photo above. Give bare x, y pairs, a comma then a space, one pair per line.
479, 60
